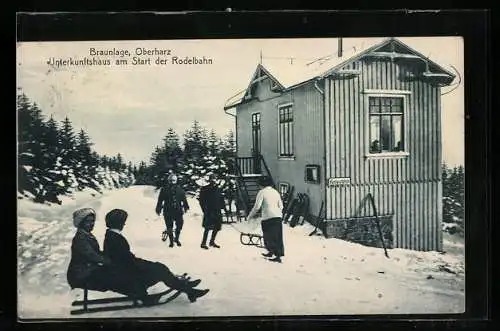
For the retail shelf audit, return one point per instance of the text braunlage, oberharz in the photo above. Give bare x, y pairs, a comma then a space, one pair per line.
139, 56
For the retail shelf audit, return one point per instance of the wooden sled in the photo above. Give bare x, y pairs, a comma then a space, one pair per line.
252, 239
103, 303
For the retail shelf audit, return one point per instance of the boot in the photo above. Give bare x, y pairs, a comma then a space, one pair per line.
275, 259
212, 239
194, 294
204, 240
171, 239
177, 236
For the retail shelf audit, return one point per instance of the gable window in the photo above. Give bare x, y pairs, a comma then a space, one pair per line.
285, 128
312, 173
386, 124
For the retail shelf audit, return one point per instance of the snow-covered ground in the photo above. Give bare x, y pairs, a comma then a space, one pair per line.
318, 277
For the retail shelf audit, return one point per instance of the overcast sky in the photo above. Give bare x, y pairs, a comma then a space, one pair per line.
128, 109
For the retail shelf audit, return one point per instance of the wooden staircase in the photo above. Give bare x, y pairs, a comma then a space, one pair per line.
247, 171
250, 183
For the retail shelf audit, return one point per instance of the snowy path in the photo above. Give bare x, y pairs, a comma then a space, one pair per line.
318, 276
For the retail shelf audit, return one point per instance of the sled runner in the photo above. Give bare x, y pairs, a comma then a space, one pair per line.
251, 239
130, 302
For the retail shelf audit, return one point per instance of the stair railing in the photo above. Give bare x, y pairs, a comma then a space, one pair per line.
268, 172
241, 186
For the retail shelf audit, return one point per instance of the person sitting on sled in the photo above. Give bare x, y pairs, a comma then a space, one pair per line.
90, 269
269, 201
172, 201
147, 273
211, 202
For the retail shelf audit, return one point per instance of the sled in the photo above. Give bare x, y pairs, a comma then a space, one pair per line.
290, 207
252, 239
299, 210
287, 198
130, 303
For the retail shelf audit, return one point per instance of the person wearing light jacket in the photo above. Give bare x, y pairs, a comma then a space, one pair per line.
269, 202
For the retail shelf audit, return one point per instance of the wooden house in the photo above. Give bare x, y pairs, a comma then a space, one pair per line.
359, 124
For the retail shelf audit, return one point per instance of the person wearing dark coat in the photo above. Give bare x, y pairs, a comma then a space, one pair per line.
173, 203
147, 273
89, 268
211, 203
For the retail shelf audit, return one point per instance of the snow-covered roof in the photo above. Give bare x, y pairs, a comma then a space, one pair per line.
290, 74
293, 73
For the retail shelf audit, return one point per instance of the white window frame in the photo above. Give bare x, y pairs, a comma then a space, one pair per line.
403, 94
287, 157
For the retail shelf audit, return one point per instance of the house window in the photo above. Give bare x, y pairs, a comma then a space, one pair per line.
386, 124
312, 174
286, 131
256, 133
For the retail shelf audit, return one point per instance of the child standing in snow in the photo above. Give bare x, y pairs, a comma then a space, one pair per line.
269, 201
211, 202
172, 201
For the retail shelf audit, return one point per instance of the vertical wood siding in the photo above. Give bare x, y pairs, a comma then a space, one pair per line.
409, 187
309, 137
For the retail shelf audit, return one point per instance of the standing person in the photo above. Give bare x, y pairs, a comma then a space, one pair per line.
90, 268
211, 202
147, 273
269, 201
172, 201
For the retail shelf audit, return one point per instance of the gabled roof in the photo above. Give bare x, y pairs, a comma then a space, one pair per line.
293, 75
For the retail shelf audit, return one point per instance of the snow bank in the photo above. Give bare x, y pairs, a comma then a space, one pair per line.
319, 276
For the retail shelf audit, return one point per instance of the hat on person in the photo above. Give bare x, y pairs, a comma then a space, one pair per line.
202, 181
115, 219
171, 177
80, 214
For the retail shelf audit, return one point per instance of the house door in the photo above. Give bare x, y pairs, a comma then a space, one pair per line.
256, 142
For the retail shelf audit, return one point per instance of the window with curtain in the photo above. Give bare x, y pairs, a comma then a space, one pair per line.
386, 124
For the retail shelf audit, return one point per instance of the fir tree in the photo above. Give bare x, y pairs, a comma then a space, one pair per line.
213, 143
172, 151
195, 142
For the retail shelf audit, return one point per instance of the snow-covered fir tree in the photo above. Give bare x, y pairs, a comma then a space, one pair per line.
53, 160
453, 199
